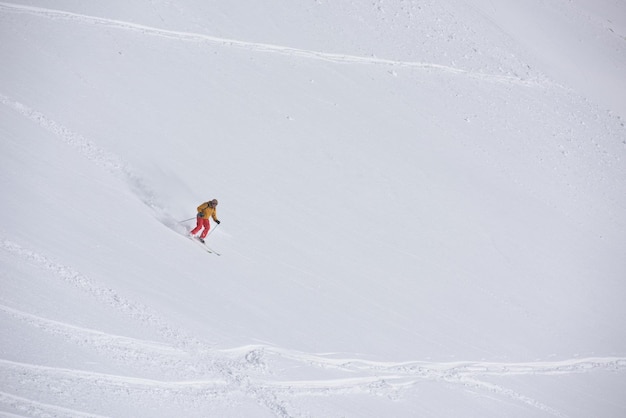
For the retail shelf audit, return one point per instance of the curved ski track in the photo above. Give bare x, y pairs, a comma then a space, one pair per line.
92, 152
253, 46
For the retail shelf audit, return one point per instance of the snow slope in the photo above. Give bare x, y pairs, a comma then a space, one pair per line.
423, 209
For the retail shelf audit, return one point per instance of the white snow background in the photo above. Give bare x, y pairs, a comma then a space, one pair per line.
423, 208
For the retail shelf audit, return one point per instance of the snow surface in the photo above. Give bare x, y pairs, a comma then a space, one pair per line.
423, 208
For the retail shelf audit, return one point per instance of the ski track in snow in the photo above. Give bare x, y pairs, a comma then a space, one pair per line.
255, 46
97, 155
192, 373
39, 409
85, 147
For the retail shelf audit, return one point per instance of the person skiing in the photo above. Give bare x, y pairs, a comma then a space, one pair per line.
205, 211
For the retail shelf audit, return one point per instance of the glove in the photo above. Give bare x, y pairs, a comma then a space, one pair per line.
217, 222
199, 215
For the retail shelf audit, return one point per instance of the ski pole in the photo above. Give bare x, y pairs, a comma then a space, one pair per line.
186, 220
211, 231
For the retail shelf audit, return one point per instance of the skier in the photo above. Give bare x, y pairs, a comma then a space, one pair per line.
205, 211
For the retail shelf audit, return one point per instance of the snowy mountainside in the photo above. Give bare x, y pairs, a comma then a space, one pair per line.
419, 215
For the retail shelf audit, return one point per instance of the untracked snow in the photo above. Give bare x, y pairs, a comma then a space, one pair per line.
422, 205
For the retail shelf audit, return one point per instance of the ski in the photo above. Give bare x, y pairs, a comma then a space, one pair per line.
212, 251
203, 245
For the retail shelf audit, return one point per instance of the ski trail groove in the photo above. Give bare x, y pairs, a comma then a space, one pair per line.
255, 46
38, 409
142, 354
390, 379
98, 156
74, 278
87, 148
480, 368
41, 381
105, 378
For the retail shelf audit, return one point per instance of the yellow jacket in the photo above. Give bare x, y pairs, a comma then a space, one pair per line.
205, 211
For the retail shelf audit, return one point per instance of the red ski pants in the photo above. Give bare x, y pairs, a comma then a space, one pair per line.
201, 223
